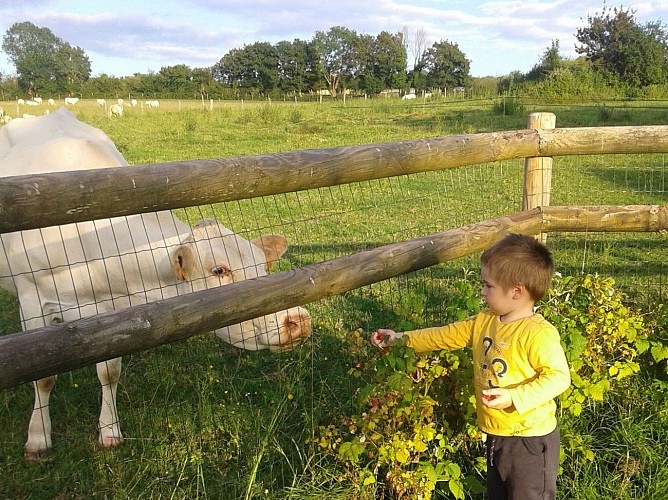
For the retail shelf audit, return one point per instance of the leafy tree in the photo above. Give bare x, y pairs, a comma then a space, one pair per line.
296, 66
617, 44
381, 62
44, 63
72, 68
336, 51
390, 60
9, 87
366, 75
203, 80
251, 69
262, 61
550, 61
446, 65
145, 85
230, 70
176, 81
103, 86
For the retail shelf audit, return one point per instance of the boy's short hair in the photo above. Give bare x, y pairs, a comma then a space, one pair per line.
518, 259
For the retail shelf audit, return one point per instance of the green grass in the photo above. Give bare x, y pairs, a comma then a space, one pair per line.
204, 420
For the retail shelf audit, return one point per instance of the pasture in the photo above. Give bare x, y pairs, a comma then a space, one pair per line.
205, 420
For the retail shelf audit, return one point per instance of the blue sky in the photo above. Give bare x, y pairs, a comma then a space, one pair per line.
123, 37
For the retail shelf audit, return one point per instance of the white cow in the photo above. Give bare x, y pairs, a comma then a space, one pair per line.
408, 97
153, 104
51, 102
20, 102
115, 110
133, 102
67, 272
38, 100
101, 102
71, 101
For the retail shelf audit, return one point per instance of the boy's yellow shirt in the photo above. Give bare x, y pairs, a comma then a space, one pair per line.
524, 356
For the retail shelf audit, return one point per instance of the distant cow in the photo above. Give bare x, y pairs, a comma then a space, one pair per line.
101, 102
51, 102
71, 101
115, 110
153, 104
133, 102
72, 271
408, 97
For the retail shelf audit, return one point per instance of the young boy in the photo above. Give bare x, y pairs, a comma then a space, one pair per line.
519, 368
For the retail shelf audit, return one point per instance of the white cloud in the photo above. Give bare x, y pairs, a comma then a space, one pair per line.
125, 36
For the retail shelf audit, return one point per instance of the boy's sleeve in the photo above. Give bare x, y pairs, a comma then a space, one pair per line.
449, 337
547, 358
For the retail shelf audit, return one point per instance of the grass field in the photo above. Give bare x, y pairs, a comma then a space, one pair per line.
204, 420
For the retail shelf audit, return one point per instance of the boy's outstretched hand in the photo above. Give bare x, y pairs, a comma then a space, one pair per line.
384, 337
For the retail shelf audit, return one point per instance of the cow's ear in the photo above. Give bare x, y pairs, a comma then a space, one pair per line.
273, 246
183, 261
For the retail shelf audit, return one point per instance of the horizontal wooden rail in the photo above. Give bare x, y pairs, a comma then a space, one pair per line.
26, 356
40, 200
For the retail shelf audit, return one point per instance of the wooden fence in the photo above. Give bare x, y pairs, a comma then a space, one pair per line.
32, 201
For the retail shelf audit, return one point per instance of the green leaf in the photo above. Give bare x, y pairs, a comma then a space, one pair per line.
575, 409
402, 455
659, 352
419, 445
456, 488
453, 470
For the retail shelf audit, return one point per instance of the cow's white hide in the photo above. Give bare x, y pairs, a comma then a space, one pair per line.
115, 110
68, 272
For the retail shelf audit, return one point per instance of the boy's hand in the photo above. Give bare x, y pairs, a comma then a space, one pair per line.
498, 398
384, 337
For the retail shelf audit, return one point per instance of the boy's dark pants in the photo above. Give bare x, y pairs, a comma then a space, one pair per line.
522, 468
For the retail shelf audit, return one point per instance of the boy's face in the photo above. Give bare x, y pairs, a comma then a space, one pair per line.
500, 301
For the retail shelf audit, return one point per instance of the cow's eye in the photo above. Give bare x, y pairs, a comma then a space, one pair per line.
220, 271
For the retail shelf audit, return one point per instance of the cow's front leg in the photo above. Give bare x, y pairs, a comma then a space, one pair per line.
39, 429
109, 426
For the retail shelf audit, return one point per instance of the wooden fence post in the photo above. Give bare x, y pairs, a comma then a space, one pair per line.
538, 170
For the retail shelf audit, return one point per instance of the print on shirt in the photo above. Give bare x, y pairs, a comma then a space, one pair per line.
496, 367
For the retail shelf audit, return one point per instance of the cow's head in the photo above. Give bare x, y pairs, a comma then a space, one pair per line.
213, 256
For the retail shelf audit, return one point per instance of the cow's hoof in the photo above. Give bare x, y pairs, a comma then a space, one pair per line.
35, 456
109, 442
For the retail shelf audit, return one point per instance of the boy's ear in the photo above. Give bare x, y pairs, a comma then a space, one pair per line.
519, 291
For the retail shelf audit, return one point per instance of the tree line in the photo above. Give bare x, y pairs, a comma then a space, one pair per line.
616, 52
